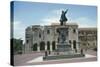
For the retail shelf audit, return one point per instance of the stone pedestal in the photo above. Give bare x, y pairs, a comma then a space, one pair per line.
64, 49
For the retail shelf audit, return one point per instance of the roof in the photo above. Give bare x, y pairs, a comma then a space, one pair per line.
68, 23
90, 28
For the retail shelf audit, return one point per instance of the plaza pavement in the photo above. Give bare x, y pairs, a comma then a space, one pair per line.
36, 59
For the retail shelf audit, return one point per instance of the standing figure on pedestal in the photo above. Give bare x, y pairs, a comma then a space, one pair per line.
62, 35
63, 18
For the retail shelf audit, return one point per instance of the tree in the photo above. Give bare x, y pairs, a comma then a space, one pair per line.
17, 45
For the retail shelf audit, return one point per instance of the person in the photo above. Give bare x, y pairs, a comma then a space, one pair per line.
81, 51
63, 17
46, 54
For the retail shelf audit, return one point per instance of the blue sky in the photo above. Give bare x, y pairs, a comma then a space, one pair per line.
30, 13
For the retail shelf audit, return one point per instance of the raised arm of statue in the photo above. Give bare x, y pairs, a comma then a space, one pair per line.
66, 11
63, 17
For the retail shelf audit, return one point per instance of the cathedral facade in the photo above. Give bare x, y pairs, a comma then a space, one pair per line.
45, 38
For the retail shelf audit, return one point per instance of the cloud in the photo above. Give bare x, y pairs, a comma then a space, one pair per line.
48, 21
81, 21
52, 17
57, 11
19, 30
85, 22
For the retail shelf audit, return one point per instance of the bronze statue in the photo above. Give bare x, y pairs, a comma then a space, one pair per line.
63, 17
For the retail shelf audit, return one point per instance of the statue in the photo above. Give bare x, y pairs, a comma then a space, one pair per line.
62, 35
63, 17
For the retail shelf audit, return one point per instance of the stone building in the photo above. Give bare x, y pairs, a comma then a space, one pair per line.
88, 38
41, 38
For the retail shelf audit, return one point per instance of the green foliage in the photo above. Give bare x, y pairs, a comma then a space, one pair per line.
17, 45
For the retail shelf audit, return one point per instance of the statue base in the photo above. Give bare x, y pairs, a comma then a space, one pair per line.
57, 57
63, 50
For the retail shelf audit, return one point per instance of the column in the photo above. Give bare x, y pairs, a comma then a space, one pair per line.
38, 48
50, 46
72, 45
46, 47
55, 44
77, 46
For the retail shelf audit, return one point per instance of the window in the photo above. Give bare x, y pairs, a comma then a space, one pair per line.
70, 41
88, 44
79, 32
48, 31
74, 31
93, 44
27, 41
39, 35
82, 32
27, 35
84, 44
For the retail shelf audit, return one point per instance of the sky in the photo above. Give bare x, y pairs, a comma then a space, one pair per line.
35, 13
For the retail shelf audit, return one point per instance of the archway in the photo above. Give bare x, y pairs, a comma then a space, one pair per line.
42, 45
34, 47
48, 45
53, 45
74, 44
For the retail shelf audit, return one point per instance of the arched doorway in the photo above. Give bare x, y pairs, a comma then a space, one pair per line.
42, 45
48, 45
53, 45
74, 44
34, 47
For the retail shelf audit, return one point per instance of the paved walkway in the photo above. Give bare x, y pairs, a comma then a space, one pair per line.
36, 59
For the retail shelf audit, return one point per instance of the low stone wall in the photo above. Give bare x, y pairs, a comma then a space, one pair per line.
62, 56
